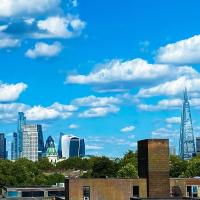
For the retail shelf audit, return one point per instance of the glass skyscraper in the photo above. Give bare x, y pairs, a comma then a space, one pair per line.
186, 143
74, 147
82, 148
21, 123
60, 146
49, 143
14, 147
3, 153
33, 143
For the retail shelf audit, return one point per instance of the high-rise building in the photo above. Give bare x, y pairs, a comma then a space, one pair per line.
33, 144
198, 145
82, 148
3, 153
72, 146
21, 123
186, 143
60, 146
14, 147
49, 143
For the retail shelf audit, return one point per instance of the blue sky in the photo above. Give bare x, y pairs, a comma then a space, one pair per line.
112, 72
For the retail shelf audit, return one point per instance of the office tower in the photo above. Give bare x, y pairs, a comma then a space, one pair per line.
72, 146
49, 143
21, 123
40, 142
14, 145
82, 148
186, 143
198, 145
65, 146
153, 165
3, 153
33, 144
60, 146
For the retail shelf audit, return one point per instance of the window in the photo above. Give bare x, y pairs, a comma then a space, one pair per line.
56, 193
136, 191
86, 191
192, 191
189, 191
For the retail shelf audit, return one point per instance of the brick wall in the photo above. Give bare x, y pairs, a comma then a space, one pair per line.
153, 164
105, 189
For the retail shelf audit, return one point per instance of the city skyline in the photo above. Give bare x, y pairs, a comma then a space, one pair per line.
109, 72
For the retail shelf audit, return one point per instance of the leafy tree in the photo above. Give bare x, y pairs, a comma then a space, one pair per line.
41, 179
44, 165
74, 163
193, 167
127, 171
103, 167
129, 157
55, 178
177, 166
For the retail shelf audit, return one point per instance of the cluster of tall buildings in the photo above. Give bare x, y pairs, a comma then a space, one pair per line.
28, 142
70, 146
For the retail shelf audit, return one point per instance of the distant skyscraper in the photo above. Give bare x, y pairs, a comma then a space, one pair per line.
186, 143
82, 148
14, 147
3, 153
21, 123
60, 146
49, 143
198, 145
72, 146
33, 144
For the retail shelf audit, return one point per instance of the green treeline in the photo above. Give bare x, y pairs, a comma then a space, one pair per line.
27, 173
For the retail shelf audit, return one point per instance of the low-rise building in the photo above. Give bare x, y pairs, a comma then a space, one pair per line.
33, 192
153, 181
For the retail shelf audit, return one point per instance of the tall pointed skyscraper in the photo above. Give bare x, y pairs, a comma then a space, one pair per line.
186, 143
21, 123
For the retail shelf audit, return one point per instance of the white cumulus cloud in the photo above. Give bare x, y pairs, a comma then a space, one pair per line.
94, 101
99, 112
128, 129
93, 147
162, 105
173, 120
73, 126
182, 52
120, 75
10, 8
9, 42
60, 27
42, 49
114, 71
41, 113
171, 88
11, 92
8, 111
54, 111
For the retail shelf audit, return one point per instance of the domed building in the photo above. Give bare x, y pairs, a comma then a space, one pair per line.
51, 152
